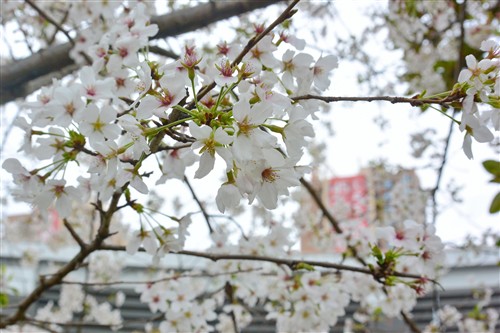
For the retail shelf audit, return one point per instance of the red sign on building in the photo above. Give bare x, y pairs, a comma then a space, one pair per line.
349, 195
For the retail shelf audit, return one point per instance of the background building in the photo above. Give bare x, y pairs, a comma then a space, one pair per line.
375, 196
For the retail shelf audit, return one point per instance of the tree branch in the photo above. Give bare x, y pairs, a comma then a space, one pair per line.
333, 221
50, 20
293, 264
326, 213
74, 234
175, 277
195, 197
392, 99
46, 283
16, 76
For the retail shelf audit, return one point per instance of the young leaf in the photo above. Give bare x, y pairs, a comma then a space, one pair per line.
492, 167
495, 204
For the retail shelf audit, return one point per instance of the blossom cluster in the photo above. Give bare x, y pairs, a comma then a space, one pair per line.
73, 300
234, 107
297, 299
109, 117
431, 66
481, 319
481, 83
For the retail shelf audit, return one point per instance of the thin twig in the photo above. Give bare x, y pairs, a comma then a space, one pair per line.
326, 213
65, 17
411, 324
195, 197
291, 263
74, 234
229, 292
50, 20
163, 52
392, 99
175, 277
333, 221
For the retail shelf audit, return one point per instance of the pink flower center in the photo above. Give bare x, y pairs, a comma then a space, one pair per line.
91, 91
269, 175
123, 52
167, 99
120, 82
226, 70
317, 70
223, 49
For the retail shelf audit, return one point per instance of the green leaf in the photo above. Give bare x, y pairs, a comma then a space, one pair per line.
377, 253
4, 300
495, 204
492, 167
303, 265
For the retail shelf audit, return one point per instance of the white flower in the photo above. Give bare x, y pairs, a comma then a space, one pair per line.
66, 105
474, 69
98, 124
228, 196
274, 175
92, 87
142, 237
55, 190
473, 128
125, 53
249, 138
132, 175
171, 93
224, 74
210, 142
449, 315
296, 129
175, 163
119, 298
53, 146
321, 71
29, 185
295, 67
263, 52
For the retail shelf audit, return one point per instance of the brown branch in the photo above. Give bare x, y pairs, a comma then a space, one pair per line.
175, 277
326, 213
16, 76
392, 99
65, 17
161, 51
195, 197
229, 293
74, 234
46, 283
291, 263
411, 324
50, 20
321, 205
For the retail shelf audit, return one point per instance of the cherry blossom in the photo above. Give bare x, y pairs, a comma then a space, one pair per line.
210, 142
56, 191
98, 124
